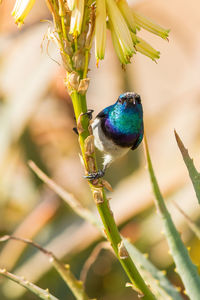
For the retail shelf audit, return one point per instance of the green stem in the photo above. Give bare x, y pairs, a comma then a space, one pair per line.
62, 18
63, 27
110, 227
155, 279
75, 43
89, 158
86, 63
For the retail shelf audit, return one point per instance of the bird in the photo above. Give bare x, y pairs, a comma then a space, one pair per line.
117, 129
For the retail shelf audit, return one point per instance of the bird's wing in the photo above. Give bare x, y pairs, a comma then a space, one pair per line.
137, 142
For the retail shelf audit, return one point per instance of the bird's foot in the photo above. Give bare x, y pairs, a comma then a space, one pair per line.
88, 113
95, 175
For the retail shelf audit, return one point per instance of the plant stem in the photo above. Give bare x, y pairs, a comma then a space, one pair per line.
78, 77
110, 227
86, 63
155, 278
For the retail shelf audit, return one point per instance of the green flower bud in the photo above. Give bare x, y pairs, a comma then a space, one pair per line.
120, 28
123, 57
146, 49
150, 26
127, 14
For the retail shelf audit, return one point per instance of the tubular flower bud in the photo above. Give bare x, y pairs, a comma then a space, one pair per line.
150, 26
134, 38
120, 27
21, 10
127, 14
124, 58
71, 4
146, 49
100, 29
77, 18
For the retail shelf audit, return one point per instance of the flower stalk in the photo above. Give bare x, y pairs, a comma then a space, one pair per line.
75, 23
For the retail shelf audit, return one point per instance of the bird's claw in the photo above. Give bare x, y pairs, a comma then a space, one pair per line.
95, 175
88, 113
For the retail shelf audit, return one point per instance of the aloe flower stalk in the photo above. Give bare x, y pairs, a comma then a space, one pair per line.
75, 43
118, 24
77, 18
100, 29
21, 10
150, 26
127, 14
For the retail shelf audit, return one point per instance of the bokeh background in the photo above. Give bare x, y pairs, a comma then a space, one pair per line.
36, 121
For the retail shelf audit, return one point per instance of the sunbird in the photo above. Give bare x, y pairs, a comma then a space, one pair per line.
117, 129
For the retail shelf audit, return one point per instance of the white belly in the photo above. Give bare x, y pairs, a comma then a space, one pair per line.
105, 145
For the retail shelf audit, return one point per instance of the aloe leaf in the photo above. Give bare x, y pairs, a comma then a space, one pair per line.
191, 224
184, 266
194, 174
69, 199
161, 286
76, 286
42, 294
154, 277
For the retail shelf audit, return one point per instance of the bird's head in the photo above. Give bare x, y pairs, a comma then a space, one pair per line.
129, 100
126, 115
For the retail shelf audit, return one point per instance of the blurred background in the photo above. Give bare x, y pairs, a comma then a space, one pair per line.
36, 121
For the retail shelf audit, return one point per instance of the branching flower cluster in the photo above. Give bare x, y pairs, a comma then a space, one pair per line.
115, 15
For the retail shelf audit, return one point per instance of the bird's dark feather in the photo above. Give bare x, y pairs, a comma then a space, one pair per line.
101, 115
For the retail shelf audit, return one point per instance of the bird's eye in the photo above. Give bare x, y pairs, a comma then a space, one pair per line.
121, 100
137, 98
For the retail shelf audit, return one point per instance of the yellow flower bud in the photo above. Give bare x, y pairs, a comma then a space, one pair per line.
71, 4
100, 29
134, 38
124, 58
77, 18
21, 10
127, 14
150, 26
146, 49
120, 27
